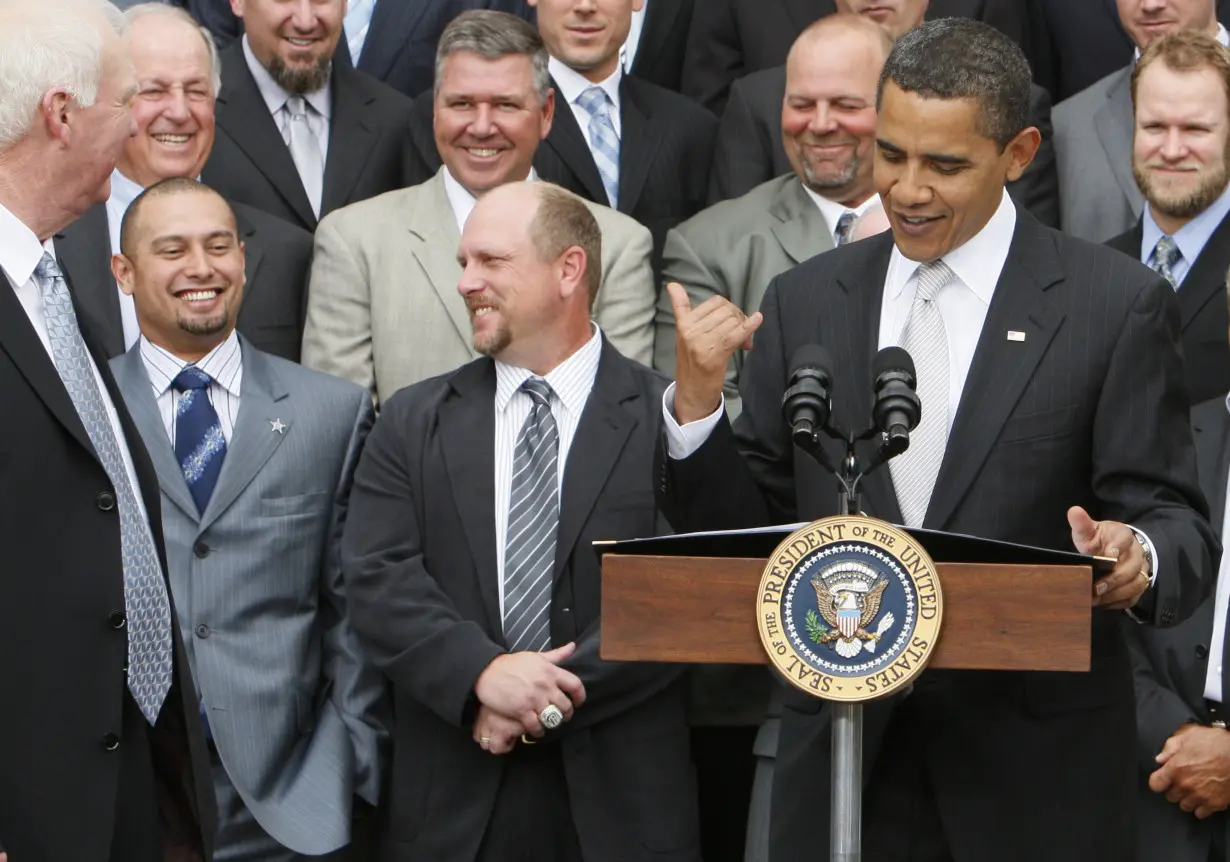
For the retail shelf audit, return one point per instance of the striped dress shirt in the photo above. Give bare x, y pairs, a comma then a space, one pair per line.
224, 364
571, 382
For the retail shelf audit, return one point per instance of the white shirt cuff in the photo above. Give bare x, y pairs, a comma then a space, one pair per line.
1152, 575
683, 440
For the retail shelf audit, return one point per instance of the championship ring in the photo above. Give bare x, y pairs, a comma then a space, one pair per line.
849, 608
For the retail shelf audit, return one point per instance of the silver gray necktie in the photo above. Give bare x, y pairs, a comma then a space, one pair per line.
926, 340
305, 149
533, 521
148, 610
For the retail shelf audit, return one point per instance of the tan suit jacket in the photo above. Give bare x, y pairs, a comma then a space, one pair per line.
383, 307
734, 249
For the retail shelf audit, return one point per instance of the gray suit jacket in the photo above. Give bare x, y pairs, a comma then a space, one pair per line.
383, 307
734, 249
295, 709
1098, 196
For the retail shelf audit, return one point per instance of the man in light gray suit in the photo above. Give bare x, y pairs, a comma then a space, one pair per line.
1098, 195
383, 308
254, 457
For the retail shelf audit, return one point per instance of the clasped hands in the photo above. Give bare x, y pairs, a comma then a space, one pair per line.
1195, 770
515, 688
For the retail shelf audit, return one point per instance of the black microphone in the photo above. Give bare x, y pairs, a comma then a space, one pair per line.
808, 399
897, 409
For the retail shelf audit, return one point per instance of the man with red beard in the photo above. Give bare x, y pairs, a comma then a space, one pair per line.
1181, 89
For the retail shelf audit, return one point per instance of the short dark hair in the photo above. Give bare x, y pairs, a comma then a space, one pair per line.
563, 221
163, 188
958, 58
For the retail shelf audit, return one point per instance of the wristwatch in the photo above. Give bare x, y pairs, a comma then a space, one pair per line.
1144, 547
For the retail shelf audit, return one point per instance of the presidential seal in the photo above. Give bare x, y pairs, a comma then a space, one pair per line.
849, 608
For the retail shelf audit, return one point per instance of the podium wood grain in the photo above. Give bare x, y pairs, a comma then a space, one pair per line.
701, 610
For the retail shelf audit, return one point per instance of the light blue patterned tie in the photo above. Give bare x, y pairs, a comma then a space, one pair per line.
145, 594
1165, 255
603, 141
533, 521
356, 23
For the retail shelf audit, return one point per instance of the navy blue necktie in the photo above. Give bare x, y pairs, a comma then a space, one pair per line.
199, 444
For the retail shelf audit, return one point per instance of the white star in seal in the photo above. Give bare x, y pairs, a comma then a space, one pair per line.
277, 425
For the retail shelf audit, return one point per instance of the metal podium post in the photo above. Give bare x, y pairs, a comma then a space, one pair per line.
846, 808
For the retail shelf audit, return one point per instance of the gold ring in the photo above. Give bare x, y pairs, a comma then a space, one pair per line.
528, 740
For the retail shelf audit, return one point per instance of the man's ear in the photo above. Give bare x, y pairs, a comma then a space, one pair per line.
121, 270
572, 271
57, 108
1021, 151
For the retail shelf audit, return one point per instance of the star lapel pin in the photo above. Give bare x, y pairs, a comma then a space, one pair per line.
278, 426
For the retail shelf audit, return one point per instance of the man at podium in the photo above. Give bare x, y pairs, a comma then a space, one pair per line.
1053, 413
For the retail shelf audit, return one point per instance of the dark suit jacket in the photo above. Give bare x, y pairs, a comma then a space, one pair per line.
420, 562
1170, 667
1205, 320
216, 17
400, 46
732, 38
1043, 424
369, 145
664, 39
666, 148
749, 148
279, 258
62, 659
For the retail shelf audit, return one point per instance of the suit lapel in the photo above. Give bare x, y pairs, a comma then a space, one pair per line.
1114, 125
803, 13
659, 21
1001, 369
350, 137
253, 253
1205, 282
392, 25
244, 116
467, 436
566, 140
799, 226
134, 383
264, 400
434, 225
84, 250
1212, 438
602, 433
638, 145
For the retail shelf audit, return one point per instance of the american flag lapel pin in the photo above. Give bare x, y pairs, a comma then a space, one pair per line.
1015, 335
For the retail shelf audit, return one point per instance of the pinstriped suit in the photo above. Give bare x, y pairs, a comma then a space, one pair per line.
1090, 410
294, 709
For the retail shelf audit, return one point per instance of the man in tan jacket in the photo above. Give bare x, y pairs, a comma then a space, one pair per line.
383, 307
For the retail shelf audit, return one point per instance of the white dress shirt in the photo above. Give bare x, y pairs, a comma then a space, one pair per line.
123, 192
572, 84
1221, 604
832, 211
275, 98
571, 382
20, 254
627, 53
461, 201
224, 364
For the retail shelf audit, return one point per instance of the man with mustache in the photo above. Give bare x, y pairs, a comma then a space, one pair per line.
1181, 161
299, 135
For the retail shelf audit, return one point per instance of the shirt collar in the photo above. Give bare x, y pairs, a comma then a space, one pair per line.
978, 263
123, 192
1222, 36
832, 211
572, 83
460, 199
571, 380
220, 363
273, 94
20, 250
1192, 237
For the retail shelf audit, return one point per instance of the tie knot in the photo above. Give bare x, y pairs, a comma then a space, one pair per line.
593, 101
48, 268
539, 390
845, 227
191, 378
297, 107
1166, 252
932, 277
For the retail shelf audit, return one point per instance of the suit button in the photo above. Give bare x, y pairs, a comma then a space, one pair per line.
1202, 651
202, 631
111, 742
201, 550
105, 501
117, 620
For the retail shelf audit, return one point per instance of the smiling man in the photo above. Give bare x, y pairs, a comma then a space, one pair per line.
1059, 437
177, 73
383, 310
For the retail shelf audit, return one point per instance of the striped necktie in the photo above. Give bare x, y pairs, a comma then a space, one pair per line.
603, 142
533, 521
357, 22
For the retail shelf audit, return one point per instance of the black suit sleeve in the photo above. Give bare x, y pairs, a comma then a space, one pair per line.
714, 57
1159, 711
743, 152
1038, 188
407, 623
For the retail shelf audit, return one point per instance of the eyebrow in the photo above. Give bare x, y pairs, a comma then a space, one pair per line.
172, 238
939, 158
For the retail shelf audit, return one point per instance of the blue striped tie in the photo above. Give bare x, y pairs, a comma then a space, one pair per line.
147, 608
603, 141
533, 521
355, 26
199, 444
